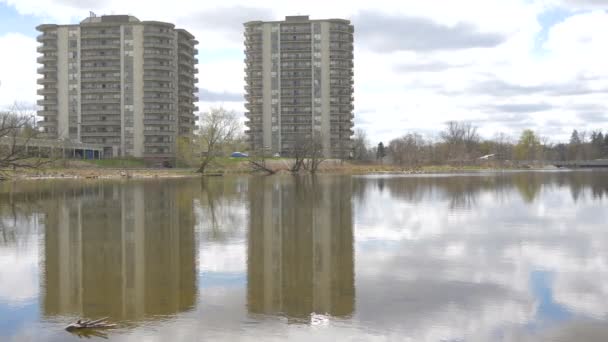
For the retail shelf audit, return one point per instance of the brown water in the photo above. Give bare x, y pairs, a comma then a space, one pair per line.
481, 257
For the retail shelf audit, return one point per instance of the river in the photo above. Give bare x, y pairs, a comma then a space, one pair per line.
505, 256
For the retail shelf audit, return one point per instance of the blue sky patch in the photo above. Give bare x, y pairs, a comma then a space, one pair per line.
12, 21
547, 20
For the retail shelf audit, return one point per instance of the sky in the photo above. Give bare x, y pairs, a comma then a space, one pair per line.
503, 65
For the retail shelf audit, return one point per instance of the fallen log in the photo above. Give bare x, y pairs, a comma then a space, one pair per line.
90, 324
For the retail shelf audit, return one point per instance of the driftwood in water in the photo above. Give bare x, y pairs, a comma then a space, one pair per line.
89, 324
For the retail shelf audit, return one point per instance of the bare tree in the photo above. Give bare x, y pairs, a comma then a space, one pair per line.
315, 155
257, 163
17, 129
299, 152
218, 128
461, 139
410, 150
360, 145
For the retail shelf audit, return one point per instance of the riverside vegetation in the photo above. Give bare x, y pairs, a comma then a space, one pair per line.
459, 147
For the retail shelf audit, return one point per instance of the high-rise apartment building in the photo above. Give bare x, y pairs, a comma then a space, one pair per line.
299, 75
114, 80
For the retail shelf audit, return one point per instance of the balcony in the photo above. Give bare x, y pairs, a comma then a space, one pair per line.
47, 80
100, 134
164, 78
100, 101
100, 47
158, 144
100, 90
163, 132
92, 68
158, 89
47, 48
157, 34
97, 35
46, 37
150, 99
49, 69
105, 79
100, 57
157, 56
106, 112
101, 122
158, 110
51, 112
187, 62
157, 122
47, 91
47, 102
46, 58
150, 66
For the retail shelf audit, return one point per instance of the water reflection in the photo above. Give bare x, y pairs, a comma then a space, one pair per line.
462, 191
478, 257
300, 249
123, 251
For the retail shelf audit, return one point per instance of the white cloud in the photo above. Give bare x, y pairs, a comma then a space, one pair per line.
17, 69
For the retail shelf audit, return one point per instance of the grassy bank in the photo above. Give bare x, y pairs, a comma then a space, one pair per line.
136, 168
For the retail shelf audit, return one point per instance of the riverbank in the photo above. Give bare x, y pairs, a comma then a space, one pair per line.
133, 169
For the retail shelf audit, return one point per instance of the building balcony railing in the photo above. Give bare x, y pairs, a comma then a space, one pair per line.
46, 37
159, 34
158, 110
161, 46
105, 79
47, 80
47, 91
107, 112
157, 67
100, 90
100, 57
100, 134
164, 78
88, 34
90, 68
161, 100
101, 101
47, 112
159, 133
159, 89
158, 122
46, 58
88, 47
157, 56
48, 123
47, 102
46, 48
101, 122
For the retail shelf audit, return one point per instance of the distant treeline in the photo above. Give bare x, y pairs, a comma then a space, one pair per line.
460, 143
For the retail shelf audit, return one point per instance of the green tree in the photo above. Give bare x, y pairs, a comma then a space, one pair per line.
575, 146
218, 128
527, 146
380, 152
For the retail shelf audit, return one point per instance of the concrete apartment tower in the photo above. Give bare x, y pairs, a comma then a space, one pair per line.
113, 80
299, 75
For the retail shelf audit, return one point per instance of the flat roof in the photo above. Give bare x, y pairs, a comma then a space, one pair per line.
108, 20
293, 19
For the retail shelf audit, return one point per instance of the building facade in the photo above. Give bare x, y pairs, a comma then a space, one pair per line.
114, 80
299, 84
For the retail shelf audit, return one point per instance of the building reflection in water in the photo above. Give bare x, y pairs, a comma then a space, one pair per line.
300, 252
123, 251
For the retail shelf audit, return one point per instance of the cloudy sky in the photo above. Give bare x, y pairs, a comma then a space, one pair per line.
503, 65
